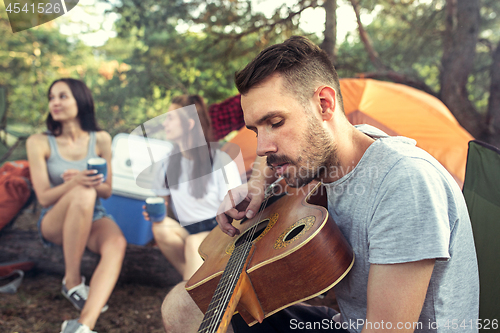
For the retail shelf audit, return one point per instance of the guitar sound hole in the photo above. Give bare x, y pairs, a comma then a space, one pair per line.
260, 229
294, 232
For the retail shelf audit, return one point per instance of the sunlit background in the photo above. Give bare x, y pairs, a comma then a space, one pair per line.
90, 22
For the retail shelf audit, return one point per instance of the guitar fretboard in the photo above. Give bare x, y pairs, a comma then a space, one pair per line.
225, 288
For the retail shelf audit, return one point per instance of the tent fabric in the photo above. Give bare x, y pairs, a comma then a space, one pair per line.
226, 116
412, 113
482, 195
15, 190
246, 140
397, 110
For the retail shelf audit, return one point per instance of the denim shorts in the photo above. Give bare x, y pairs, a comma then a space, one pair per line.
198, 227
99, 212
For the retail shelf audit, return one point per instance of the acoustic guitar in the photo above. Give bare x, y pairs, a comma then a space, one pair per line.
291, 251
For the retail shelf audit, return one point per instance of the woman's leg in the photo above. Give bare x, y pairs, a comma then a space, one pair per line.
193, 258
170, 237
107, 240
68, 223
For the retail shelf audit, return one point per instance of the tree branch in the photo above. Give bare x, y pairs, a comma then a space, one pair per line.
399, 78
267, 25
365, 38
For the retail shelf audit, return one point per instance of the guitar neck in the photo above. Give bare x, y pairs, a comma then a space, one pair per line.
225, 299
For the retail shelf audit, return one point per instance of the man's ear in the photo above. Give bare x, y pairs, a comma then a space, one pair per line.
328, 101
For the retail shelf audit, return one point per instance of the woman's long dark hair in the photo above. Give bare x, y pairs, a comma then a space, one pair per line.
84, 102
201, 131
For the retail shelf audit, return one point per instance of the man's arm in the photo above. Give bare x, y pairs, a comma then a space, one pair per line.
395, 296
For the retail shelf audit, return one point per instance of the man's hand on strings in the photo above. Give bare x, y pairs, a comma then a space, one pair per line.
242, 201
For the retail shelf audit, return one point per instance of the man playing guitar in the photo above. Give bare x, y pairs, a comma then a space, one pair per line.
400, 210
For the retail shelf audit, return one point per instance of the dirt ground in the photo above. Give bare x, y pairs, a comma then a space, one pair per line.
39, 307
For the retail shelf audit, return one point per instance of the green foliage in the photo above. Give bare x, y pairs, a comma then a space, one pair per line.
351, 58
24, 58
178, 47
408, 36
30, 61
165, 48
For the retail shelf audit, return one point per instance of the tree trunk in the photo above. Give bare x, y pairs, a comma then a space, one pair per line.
142, 264
460, 39
365, 38
330, 40
493, 116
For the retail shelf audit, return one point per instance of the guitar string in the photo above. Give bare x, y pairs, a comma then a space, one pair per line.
211, 314
236, 268
248, 237
232, 281
224, 277
248, 244
210, 317
215, 313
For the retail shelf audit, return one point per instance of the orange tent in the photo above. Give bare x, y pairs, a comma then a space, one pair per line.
397, 110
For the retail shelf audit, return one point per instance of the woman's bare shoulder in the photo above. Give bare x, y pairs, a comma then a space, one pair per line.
38, 140
103, 144
103, 137
38, 145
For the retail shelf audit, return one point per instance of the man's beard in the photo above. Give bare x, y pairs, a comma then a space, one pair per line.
318, 156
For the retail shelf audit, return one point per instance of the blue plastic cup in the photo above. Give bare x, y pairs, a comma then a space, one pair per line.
155, 207
99, 164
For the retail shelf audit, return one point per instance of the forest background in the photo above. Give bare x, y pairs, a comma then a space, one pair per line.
448, 48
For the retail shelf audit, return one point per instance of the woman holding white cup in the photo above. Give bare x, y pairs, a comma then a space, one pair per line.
72, 215
193, 183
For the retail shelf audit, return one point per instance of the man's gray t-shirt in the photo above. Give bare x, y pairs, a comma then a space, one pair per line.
397, 205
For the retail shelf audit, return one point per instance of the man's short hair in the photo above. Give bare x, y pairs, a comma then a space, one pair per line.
302, 64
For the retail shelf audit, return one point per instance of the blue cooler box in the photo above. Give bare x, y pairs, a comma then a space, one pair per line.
125, 204
127, 213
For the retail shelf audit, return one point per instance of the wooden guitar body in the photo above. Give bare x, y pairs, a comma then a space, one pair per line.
299, 253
